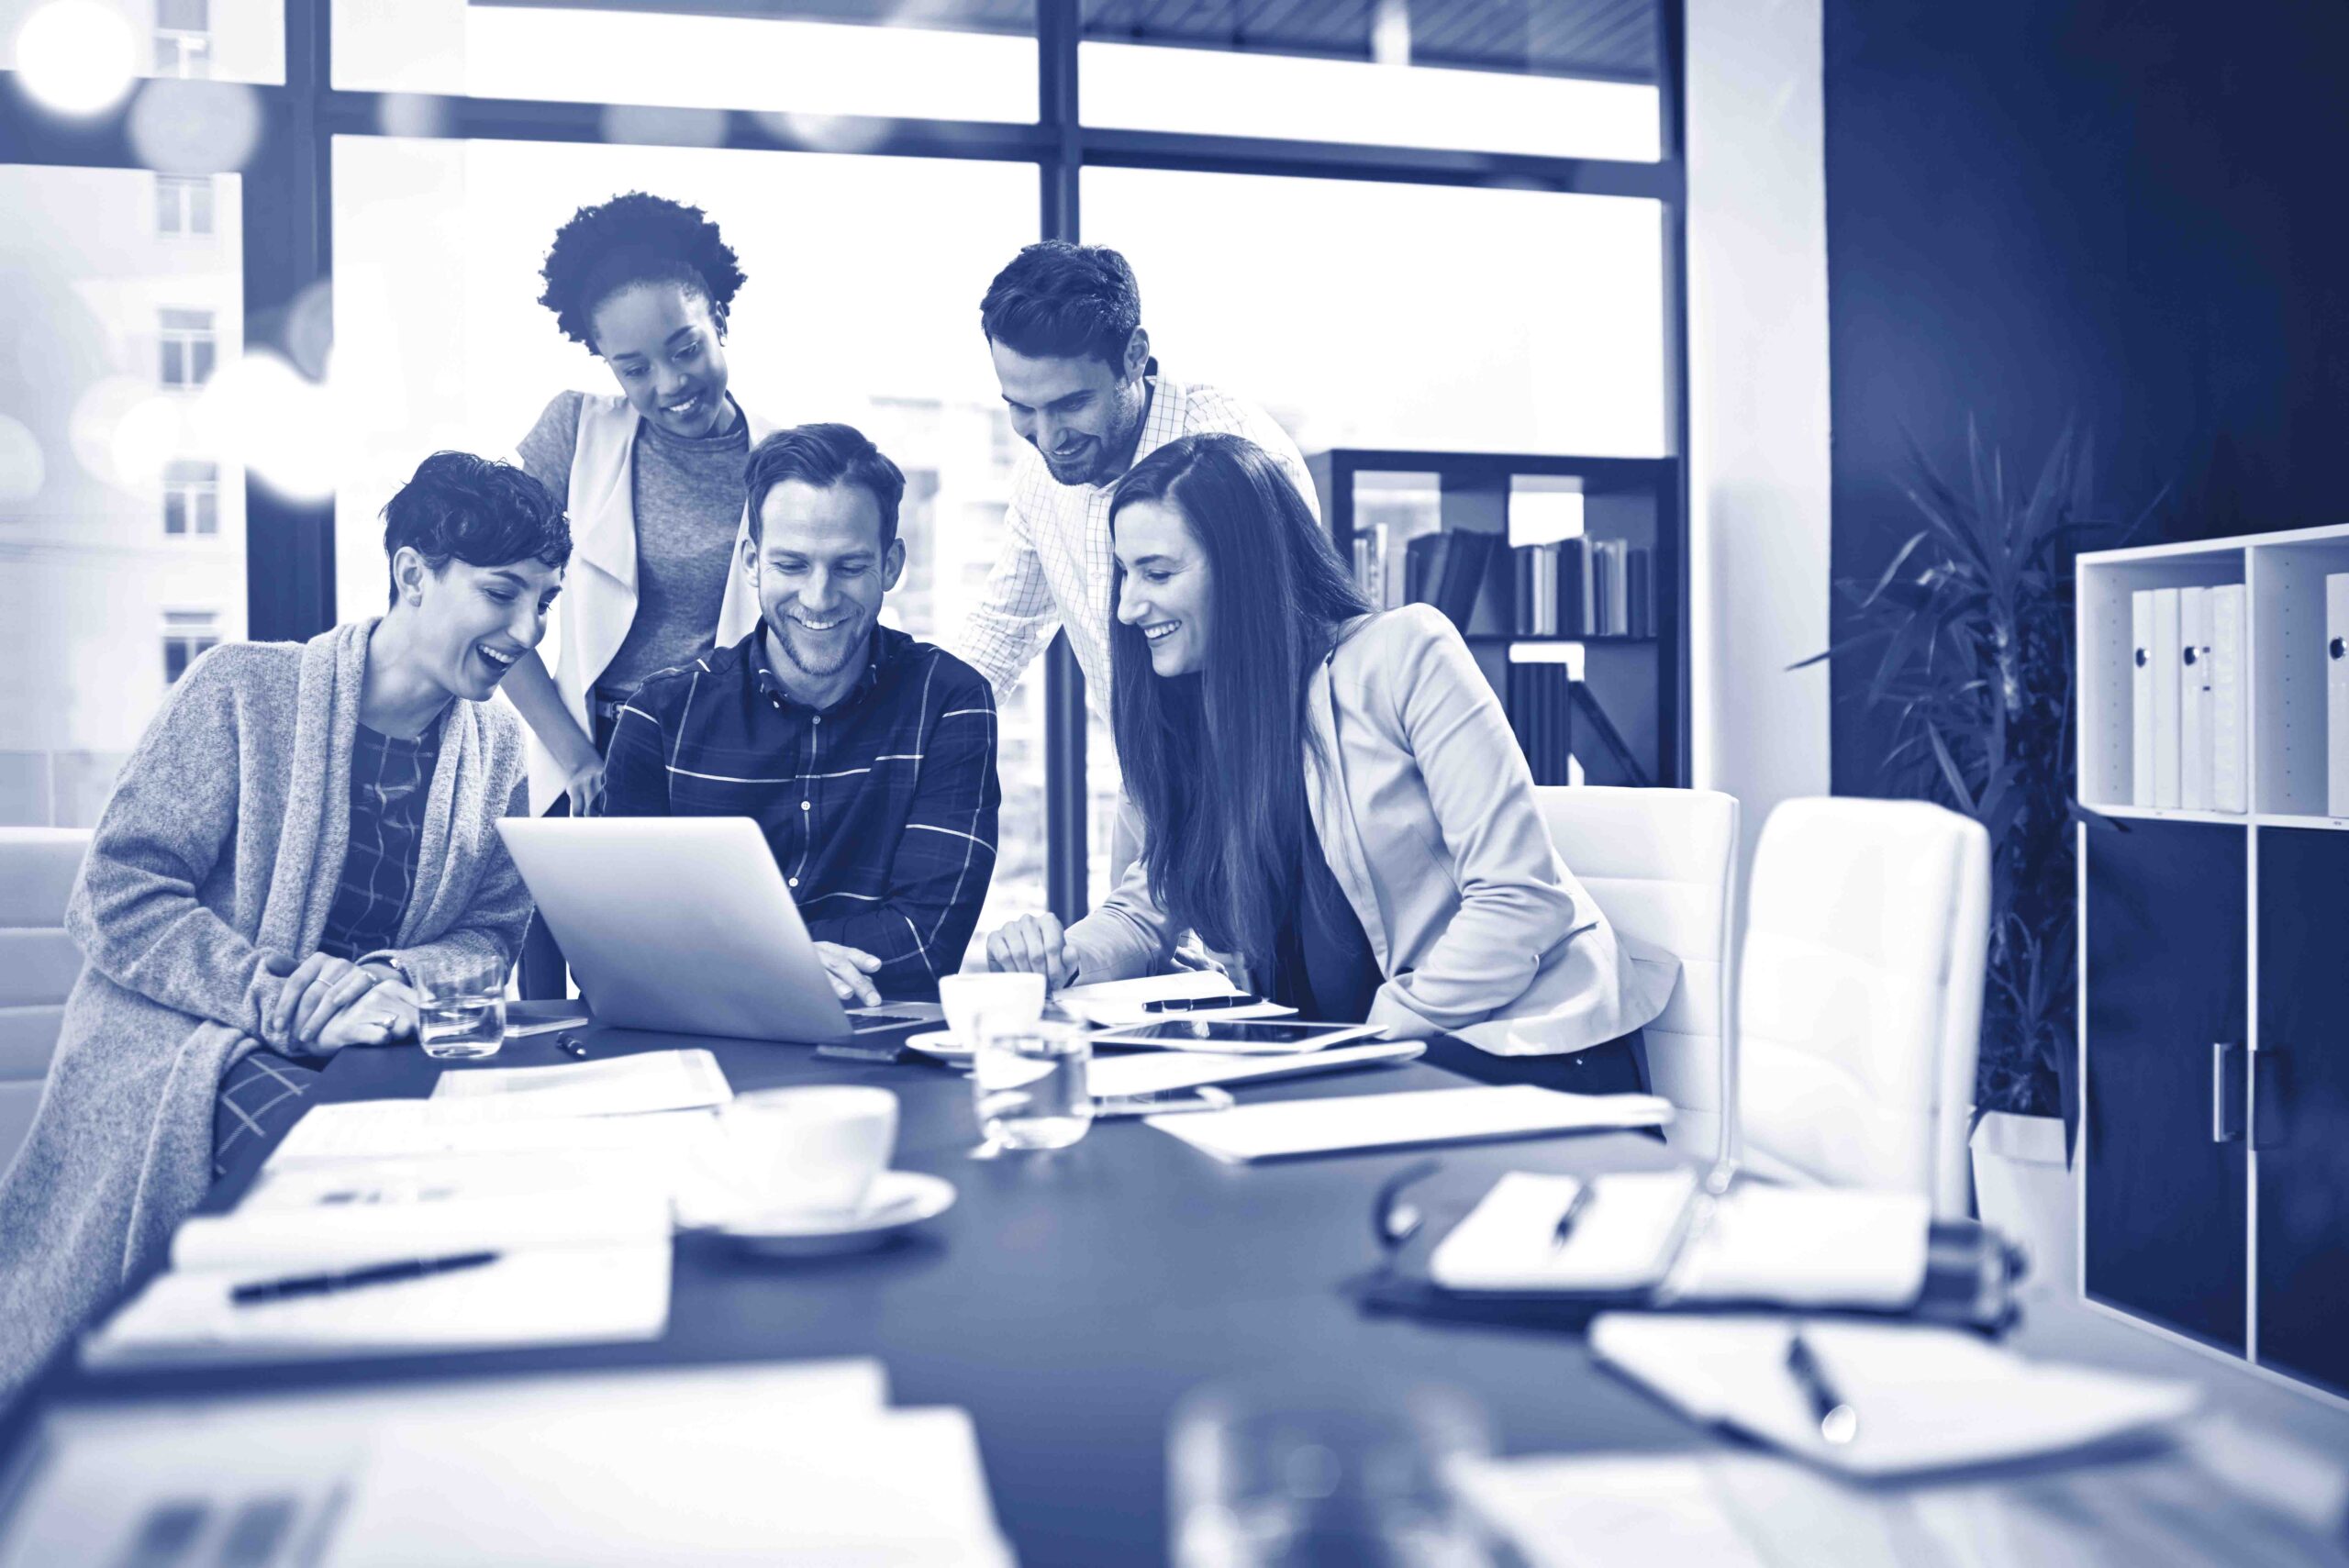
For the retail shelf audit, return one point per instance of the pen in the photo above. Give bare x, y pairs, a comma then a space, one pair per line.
355, 1279
1574, 1206
528, 1028
571, 1045
1838, 1422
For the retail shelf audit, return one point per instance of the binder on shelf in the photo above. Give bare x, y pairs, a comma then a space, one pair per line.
1574, 587
2230, 773
2194, 699
1545, 590
2141, 697
1475, 588
1639, 620
1423, 567
2336, 691
2167, 644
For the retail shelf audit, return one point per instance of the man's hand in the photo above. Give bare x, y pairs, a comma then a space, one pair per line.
846, 968
1033, 944
384, 1014
316, 989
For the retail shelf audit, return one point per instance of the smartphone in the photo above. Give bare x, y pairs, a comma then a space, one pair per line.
1203, 1003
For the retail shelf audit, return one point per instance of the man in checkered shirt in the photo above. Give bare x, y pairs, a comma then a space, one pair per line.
1064, 325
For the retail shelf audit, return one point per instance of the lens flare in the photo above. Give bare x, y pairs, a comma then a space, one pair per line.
196, 128
77, 57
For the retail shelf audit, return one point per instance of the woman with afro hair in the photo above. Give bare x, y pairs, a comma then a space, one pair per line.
652, 480
652, 475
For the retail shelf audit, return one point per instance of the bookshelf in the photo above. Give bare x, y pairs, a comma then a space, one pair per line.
1604, 708
2213, 1160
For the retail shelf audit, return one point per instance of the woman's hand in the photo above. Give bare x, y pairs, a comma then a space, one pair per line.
846, 968
1033, 944
384, 1014
585, 786
316, 990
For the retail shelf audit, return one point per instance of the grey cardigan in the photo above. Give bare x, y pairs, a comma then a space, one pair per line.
220, 847
1427, 813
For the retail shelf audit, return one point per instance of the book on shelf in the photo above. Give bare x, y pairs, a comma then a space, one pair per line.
1639, 580
2230, 779
1422, 566
1475, 588
2167, 692
2141, 697
2194, 699
2335, 653
1540, 715
1370, 564
1573, 599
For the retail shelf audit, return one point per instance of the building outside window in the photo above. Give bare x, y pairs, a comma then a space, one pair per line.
184, 38
182, 204
191, 497
189, 347
187, 633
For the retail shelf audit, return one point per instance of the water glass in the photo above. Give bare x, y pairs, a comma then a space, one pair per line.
1030, 1084
460, 1011
1277, 1474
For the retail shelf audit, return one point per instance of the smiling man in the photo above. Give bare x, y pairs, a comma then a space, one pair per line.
865, 756
1063, 327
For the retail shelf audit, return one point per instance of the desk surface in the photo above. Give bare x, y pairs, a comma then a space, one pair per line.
1068, 1300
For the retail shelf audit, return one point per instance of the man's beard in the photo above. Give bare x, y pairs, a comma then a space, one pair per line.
1109, 459
851, 648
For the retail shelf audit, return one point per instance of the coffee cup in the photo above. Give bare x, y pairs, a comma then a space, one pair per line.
973, 1002
813, 1150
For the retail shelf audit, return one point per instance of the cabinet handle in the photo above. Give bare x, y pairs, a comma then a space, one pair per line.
2226, 1093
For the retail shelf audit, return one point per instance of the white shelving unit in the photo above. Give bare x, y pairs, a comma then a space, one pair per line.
2284, 673
2149, 1109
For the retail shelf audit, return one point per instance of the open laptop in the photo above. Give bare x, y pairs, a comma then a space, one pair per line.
684, 925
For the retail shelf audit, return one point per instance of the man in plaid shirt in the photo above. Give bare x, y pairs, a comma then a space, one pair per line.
1063, 327
865, 756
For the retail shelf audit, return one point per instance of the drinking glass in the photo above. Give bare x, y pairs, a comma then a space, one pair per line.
1029, 1082
460, 1011
1279, 1474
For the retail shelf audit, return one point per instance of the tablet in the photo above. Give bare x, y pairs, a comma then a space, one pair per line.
1237, 1035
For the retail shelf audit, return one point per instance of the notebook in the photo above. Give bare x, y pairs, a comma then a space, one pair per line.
616, 1086
1414, 1117
1927, 1398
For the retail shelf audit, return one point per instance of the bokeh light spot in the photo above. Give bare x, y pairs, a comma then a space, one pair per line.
21, 468
196, 128
77, 57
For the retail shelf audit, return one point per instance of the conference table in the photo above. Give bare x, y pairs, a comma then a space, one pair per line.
1069, 1300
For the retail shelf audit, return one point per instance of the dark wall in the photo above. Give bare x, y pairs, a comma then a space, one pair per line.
2134, 213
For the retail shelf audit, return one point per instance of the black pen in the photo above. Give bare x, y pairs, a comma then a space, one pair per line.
355, 1279
1575, 1206
1838, 1422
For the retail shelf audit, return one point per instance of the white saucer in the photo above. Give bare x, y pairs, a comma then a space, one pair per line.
898, 1201
939, 1043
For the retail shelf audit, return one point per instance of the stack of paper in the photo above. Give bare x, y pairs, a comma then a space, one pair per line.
1387, 1121
616, 1086
1158, 1073
1926, 1398
570, 1263
776, 1464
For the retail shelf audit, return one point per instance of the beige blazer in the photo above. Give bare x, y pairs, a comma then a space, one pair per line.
1426, 812
599, 603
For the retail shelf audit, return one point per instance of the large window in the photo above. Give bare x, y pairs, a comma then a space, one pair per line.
108, 328
1419, 223
862, 305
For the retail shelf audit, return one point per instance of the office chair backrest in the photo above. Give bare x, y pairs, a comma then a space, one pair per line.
1860, 995
38, 964
1663, 865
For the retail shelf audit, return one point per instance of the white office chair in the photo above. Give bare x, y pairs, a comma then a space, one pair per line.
1860, 995
38, 964
1662, 864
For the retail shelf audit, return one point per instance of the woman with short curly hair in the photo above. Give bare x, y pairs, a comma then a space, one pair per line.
653, 481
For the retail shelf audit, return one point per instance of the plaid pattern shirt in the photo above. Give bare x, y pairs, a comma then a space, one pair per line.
880, 810
1056, 571
390, 781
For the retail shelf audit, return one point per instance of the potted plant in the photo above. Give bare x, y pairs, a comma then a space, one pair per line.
1966, 638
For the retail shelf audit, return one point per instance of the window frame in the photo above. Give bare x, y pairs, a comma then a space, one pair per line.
287, 214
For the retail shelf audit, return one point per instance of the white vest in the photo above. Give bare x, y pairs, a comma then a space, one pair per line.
599, 603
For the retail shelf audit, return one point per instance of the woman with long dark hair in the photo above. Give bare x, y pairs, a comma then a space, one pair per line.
1332, 797
651, 476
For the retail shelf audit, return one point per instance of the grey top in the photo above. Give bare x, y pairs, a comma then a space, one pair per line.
220, 849
688, 500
